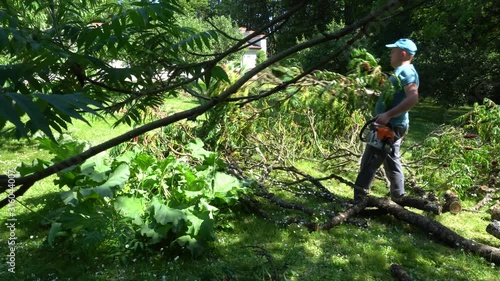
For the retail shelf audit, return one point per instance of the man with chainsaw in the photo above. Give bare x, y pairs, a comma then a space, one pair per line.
391, 111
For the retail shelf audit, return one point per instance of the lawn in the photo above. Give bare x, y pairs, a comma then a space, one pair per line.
248, 247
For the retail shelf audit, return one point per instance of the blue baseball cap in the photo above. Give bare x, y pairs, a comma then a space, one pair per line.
405, 44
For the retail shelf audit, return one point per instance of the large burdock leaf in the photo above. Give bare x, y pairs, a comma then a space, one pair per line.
225, 187
55, 230
197, 149
190, 243
155, 232
131, 207
118, 178
166, 215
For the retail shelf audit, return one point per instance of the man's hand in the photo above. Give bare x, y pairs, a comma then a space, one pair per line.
383, 118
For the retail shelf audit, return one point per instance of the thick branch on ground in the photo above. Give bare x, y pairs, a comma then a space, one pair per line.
311, 226
494, 229
408, 201
284, 204
254, 207
436, 229
399, 273
487, 197
421, 204
342, 217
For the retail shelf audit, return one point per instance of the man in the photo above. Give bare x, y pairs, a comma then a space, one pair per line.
391, 108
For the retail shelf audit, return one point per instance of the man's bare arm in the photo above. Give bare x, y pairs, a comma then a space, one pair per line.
411, 91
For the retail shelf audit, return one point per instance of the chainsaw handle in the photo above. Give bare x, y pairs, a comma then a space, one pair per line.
364, 128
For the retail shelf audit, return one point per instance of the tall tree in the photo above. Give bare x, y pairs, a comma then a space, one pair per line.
459, 46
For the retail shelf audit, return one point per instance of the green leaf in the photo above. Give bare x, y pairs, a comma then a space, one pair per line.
144, 161
35, 166
194, 246
9, 113
63, 104
35, 114
69, 198
205, 206
131, 207
156, 233
201, 226
205, 36
166, 215
224, 183
95, 169
197, 149
219, 73
101, 191
195, 226
53, 232
118, 178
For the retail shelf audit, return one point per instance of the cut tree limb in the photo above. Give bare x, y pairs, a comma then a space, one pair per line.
399, 273
436, 229
452, 203
342, 217
488, 196
421, 204
495, 213
494, 229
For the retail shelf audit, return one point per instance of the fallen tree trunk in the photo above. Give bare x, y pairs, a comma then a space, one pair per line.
436, 229
385, 205
494, 229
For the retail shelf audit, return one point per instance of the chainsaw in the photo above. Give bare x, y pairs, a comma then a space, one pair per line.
379, 136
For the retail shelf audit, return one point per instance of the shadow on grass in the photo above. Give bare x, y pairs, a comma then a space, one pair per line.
347, 252
11, 144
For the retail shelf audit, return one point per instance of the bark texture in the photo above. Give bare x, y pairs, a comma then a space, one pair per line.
494, 229
399, 273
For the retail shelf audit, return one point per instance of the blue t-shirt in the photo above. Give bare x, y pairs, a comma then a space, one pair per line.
403, 75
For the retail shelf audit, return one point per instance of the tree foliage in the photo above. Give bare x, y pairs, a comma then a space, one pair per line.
96, 56
464, 155
458, 40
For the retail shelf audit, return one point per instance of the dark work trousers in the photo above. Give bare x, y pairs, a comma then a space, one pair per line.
372, 159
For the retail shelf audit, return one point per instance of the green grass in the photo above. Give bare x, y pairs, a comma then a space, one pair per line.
346, 252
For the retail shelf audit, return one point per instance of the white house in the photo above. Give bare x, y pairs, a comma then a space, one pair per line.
258, 43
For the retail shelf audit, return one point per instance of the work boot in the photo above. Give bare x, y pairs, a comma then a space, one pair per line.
397, 198
359, 194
